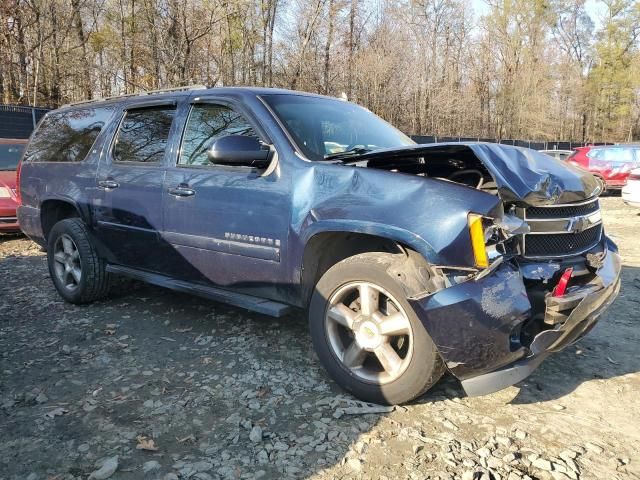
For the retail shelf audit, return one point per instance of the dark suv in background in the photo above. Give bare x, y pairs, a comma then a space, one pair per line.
410, 259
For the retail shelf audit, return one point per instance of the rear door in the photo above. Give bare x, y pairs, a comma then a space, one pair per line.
130, 179
229, 224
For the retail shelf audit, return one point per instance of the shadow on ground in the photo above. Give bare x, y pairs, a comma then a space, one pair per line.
222, 393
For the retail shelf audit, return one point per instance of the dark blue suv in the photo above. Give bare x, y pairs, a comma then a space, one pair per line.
479, 259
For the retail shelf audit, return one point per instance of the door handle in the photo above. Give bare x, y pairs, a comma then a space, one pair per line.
182, 191
108, 184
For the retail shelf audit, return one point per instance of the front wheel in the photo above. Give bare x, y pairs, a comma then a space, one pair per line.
366, 334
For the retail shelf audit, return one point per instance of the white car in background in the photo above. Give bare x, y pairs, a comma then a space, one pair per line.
631, 191
561, 155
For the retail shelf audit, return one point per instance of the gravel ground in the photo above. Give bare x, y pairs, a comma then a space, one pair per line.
156, 384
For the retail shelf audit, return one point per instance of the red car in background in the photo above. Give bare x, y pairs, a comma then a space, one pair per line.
611, 163
10, 154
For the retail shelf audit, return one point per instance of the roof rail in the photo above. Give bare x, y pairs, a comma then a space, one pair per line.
143, 92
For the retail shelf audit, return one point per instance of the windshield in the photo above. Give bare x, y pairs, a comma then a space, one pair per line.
323, 127
10, 155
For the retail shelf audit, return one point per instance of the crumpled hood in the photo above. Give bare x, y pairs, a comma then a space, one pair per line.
523, 176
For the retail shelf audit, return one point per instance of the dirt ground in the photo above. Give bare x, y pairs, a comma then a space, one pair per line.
156, 384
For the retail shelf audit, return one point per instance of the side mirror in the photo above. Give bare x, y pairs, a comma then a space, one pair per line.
239, 150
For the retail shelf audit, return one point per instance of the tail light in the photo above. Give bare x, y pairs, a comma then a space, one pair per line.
572, 160
18, 192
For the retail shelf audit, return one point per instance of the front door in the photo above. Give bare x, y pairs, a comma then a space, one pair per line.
229, 223
130, 180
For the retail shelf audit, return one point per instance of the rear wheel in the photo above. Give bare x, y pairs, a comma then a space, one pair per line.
366, 334
77, 271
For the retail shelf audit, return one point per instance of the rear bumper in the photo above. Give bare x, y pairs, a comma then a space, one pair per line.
615, 183
476, 324
29, 218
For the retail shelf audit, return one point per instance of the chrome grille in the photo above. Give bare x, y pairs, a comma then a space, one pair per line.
563, 211
562, 230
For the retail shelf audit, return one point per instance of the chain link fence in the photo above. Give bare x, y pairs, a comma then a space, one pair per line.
535, 145
17, 121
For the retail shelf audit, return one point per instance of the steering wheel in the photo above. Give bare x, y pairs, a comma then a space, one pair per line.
353, 146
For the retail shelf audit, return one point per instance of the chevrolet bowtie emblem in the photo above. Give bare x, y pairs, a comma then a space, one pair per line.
580, 224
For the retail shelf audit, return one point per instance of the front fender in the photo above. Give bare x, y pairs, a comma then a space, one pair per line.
427, 215
389, 232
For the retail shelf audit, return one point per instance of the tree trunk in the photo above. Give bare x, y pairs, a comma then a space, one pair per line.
86, 64
327, 48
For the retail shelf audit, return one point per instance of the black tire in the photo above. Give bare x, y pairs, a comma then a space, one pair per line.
425, 366
94, 280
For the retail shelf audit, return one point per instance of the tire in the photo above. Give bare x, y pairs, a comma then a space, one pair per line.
92, 282
420, 368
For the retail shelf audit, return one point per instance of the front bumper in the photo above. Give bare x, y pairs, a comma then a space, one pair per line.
8, 217
476, 324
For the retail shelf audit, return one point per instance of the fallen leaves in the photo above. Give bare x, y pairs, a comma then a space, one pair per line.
145, 443
188, 439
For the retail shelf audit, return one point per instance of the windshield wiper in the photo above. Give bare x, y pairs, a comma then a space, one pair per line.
347, 153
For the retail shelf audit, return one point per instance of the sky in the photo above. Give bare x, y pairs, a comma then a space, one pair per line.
595, 9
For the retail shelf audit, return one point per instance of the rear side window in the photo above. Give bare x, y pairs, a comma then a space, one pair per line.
613, 155
143, 135
207, 123
67, 136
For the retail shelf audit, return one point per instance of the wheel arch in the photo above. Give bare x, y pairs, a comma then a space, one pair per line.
325, 248
53, 210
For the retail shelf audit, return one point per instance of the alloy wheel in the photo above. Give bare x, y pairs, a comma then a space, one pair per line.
369, 332
67, 265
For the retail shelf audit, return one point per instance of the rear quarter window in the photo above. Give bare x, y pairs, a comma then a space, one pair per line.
67, 136
613, 155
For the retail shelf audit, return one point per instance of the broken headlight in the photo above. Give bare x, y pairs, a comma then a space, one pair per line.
488, 236
478, 230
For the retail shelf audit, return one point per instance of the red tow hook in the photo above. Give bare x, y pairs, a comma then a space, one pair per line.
561, 288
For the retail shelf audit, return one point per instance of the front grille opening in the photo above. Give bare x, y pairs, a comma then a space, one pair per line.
562, 211
562, 244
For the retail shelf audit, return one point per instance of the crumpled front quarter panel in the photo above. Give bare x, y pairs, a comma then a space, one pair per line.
428, 215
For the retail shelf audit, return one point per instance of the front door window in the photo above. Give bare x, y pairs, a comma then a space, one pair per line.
207, 123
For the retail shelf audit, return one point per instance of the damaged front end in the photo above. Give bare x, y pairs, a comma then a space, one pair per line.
544, 270
496, 328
